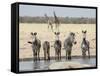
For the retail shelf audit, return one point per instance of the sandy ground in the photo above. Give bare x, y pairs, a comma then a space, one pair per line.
25, 50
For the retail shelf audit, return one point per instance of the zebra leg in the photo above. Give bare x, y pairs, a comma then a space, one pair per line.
88, 53
44, 55
84, 54
69, 55
38, 54
34, 55
48, 55
55, 54
66, 54
60, 54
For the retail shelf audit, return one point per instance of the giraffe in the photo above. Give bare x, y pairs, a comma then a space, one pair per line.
56, 21
50, 25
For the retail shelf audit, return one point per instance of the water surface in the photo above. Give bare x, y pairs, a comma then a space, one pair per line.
43, 65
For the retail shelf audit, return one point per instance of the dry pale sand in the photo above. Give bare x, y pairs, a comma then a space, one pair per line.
25, 50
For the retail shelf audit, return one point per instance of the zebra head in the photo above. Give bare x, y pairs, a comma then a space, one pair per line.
84, 34
33, 35
57, 35
72, 37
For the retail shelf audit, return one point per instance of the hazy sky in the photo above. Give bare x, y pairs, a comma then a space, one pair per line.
33, 10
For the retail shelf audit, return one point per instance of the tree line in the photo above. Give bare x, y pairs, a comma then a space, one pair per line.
66, 20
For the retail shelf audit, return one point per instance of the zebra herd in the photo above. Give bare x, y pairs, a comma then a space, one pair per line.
68, 44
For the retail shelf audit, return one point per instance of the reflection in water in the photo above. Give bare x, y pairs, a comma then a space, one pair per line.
36, 64
43, 65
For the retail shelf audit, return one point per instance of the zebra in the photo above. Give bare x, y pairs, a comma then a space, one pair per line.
85, 45
36, 45
46, 48
68, 43
57, 46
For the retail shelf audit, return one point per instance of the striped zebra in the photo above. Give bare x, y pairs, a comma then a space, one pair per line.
68, 44
46, 48
57, 46
85, 45
36, 45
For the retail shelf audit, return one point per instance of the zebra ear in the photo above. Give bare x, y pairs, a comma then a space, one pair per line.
35, 33
55, 33
32, 33
73, 34
58, 33
85, 31
82, 31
